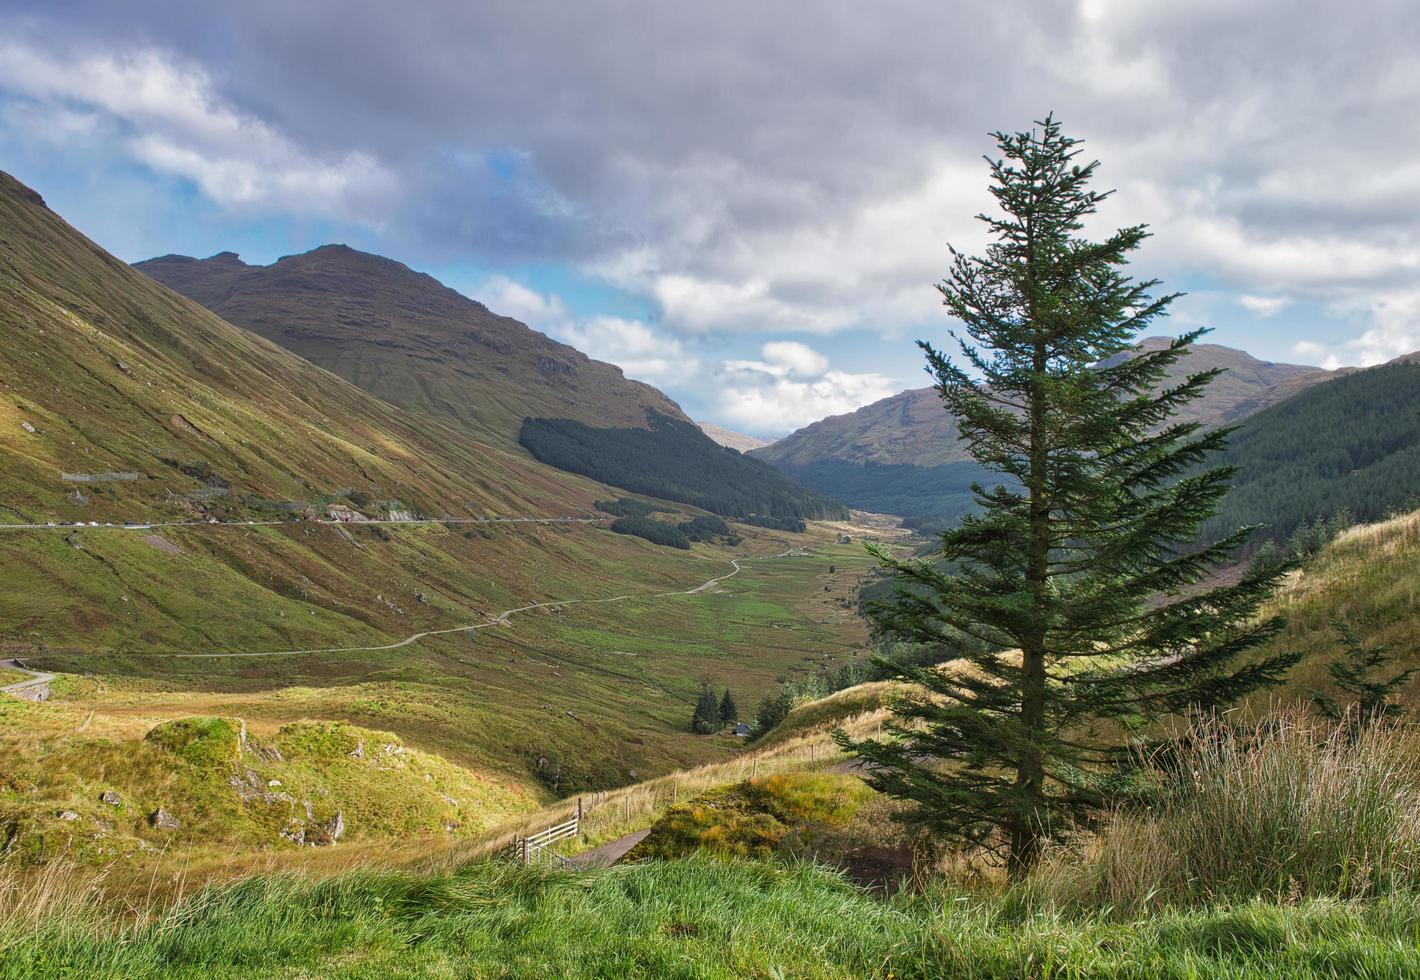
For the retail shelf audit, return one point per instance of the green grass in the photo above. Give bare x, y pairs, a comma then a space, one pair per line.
689, 918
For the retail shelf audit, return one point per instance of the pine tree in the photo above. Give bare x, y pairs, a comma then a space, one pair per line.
1068, 608
1370, 697
706, 719
729, 711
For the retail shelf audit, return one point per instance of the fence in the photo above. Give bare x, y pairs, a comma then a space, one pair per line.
538, 848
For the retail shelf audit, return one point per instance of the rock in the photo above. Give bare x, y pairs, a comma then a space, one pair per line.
449, 800
79, 498
27, 427
359, 752
421, 597
68, 815
163, 820
335, 826
295, 831
111, 798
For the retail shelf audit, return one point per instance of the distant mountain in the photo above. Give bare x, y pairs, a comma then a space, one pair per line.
730, 438
902, 454
413, 342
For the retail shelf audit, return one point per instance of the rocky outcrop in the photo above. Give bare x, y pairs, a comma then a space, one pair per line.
161, 819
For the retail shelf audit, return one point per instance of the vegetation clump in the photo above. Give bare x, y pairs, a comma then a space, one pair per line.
1294, 807
204, 742
656, 532
751, 819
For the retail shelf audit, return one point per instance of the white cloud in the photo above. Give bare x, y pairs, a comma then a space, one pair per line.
1264, 306
635, 347
799, 359
792, 387
172, 121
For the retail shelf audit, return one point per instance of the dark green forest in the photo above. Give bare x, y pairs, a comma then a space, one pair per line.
1350, 444
674, 460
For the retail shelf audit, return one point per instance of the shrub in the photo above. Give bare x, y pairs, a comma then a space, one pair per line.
657, 532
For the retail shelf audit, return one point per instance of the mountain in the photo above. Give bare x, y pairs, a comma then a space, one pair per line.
120, 398
411, 341
728, 437
901, 454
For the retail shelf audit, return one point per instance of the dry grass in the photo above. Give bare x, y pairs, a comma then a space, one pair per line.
1296, 807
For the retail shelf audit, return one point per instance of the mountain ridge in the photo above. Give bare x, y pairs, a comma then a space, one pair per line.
410, 340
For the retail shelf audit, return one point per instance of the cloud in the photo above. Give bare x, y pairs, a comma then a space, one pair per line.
782, 170
1264, 306
635, 347
172, 121
792, 386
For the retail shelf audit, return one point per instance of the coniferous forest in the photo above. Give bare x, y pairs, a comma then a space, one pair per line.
669, 459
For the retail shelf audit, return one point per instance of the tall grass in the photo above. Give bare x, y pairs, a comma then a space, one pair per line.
1294, 807
692, 919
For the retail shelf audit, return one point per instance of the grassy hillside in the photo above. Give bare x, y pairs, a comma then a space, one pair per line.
411, 341
563, 697
160, 408
717, 915
88, 797
1370, 577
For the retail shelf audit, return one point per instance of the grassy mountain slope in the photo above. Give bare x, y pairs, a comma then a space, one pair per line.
103, 371
413, 342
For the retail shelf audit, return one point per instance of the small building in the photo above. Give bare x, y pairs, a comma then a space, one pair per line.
742, 730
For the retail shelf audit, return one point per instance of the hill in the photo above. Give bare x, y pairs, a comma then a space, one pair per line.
411, 341
1352, 444
901, 455
728, 437
121, 399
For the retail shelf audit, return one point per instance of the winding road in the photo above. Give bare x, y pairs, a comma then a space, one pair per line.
498, 620
129, 526
34, 689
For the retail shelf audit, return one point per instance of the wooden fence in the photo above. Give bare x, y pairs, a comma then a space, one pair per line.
538, 848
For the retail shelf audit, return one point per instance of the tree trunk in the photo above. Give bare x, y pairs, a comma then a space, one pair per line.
1025, 826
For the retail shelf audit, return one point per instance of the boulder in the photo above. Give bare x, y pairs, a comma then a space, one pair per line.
68, 815
111, 798
163, 820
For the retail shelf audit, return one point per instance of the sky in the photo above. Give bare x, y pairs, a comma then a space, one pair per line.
745, 203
